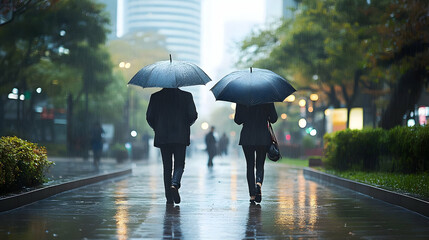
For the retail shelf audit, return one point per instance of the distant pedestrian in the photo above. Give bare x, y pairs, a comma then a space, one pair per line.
97, 142
211, 147
170, 113
223, 144
255, 139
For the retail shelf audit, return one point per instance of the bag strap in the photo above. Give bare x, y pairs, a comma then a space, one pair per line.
273, 136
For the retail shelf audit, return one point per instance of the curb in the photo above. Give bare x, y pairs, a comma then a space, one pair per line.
410, 203
20, 200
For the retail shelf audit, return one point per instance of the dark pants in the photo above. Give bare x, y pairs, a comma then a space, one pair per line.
212, 154
173, 177
251, 159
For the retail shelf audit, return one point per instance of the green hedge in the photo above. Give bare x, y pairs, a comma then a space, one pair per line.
22, 164
401, 149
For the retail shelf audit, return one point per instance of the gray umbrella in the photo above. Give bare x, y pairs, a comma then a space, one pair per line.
253, 87
170, 74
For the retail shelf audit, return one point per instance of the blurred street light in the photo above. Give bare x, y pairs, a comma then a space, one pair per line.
302, 123
233, 106
133, 133
204, 125
124, 65
290, 98
314, 97
283, 116
302, 103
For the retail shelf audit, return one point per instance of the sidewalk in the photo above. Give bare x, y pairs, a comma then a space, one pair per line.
67, 169
64, 175
214, 205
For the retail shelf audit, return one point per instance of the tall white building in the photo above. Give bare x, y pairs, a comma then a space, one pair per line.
178, 20
276, 9
111, 7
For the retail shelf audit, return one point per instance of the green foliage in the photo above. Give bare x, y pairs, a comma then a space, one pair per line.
401, 149
22, 164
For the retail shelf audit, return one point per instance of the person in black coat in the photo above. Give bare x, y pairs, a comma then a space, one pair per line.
170, 113
211, 146
255, 140
97, 142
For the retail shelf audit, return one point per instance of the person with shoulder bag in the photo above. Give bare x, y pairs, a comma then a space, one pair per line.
255, 139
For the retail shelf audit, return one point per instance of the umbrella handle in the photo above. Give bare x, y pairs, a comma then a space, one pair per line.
170, 58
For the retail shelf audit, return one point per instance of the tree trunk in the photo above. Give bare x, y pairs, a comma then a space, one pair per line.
333, 100
69, 124
351, 99
404, 98
2, 113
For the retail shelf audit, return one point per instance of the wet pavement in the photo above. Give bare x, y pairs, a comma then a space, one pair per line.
214, 205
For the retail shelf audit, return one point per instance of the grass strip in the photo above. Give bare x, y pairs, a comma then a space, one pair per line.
296, 162
416, 185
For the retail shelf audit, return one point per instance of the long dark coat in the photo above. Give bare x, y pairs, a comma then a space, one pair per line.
170, 113
211, 143
255, 126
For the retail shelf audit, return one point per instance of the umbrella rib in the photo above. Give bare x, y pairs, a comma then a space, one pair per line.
275, 88
199, 73
224, 88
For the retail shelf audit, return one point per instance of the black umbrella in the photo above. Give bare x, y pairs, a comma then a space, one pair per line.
170, 74
252, 87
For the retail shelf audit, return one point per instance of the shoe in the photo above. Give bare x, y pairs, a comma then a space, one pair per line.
169, 202
258, 197
175, 194
252, 200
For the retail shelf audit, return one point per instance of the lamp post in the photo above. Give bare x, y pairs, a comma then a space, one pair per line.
314, 98
312, 109
123, 66
284, 116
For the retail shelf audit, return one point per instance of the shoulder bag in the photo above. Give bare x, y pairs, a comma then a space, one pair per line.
273, 151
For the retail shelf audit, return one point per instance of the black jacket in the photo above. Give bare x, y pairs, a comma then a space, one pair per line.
170, 113
255, 126
211, 143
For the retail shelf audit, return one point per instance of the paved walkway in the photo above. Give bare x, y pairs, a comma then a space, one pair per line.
214, 206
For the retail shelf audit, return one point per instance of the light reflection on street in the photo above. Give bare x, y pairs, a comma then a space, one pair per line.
297, 202
121, 216
233, 181
284, 214
153, 183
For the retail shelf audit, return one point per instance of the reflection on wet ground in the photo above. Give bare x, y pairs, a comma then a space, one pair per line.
214, 205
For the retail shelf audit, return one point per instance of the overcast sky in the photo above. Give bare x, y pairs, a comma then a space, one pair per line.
238, 17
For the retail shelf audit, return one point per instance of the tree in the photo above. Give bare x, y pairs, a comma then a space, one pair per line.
130, 53
56, 45
404, 50
350, 47
320, 49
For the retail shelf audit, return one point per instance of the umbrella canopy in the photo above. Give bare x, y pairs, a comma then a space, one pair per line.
253, 87
170, 74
